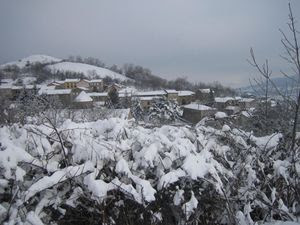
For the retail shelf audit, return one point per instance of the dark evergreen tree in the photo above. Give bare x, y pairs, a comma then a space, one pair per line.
114, 97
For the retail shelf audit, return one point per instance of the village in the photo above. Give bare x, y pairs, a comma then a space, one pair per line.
95, 93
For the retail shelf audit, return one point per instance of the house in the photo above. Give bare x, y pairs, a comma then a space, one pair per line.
64, 95
82, 83
247, 103
159, 93
96, 85
25, 90
195, 112
58, 83
146, 102
70, 83
6, 91
185, 97
222, 102
77, 90
83, 101
115, 87
99, 97
171, 94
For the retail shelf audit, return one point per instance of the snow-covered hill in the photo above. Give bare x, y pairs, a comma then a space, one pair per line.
44, 59
89, 71
59, 65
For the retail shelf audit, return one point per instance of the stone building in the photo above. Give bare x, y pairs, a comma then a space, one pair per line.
247, 103
83, 101
99, 97
222, 102
146, 102
69, 83
195, 112
185, 97
63, 95
96, 85
171, 94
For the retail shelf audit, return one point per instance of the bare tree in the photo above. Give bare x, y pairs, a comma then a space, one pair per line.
291, 47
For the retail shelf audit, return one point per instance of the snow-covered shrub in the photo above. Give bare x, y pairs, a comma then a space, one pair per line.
163, 111
110, 171
137, 110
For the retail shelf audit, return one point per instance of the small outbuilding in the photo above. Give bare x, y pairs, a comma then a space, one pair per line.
195, 112
83, 101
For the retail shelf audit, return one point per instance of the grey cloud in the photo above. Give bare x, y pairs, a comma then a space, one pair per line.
205, 40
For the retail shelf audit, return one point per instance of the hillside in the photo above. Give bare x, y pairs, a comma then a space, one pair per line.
46, 66
89, 71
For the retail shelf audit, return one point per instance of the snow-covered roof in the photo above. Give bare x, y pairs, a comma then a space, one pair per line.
99, 103
97, 94
95, 81
82, 88
13, 87
223, 99
151, 93
6, 80
232, 107
126, 94
116, 85
127, 90
16, 87
220, 115
42, 87
171, 91
185, 93
199, 107
247, 100
205, 90
148, 98
71, 80
83, 97
29, 86
56, 83
246, 114
5, 86
50, 91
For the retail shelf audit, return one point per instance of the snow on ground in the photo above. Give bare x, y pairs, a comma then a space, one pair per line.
89, 71
44, 59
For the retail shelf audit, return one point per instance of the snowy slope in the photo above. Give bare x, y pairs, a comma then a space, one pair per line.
44, 59
88, 70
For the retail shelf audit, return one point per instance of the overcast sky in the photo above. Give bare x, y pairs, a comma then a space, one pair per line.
203, 40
